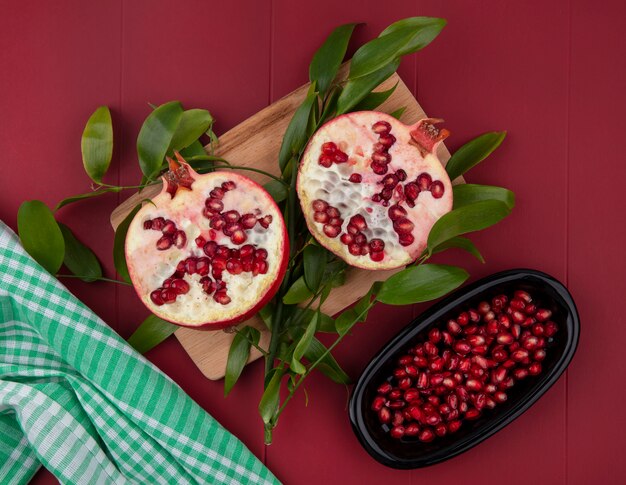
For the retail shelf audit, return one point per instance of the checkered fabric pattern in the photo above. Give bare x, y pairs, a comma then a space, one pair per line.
77, 399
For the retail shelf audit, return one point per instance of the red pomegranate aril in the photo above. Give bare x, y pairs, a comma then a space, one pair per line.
422, 381
155, 296
500, 396
454, 328
411, 395
434, 335
403, 226
517, 304
396, 404
147, 225
539, 355
378, 403
504, 338
397, 419
158, 223
331, 231
530, 309
406, 239
437, 364
454, 426
462, 347
217, 222
534, 369
384, 388
437, 189
164, 243
169, 228
411, 371
550, 328
426, 435
490, 388
381, 128
411, 429
319, 205
519, 355
473, 385
397, 432
543, 315
472, 413
168, 295
325, 161
329, 148
384, 415
265, 221
518, 317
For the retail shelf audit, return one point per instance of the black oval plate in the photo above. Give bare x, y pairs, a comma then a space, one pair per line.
414, 454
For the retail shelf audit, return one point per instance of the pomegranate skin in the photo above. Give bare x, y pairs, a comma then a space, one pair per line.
279, 248
381, 187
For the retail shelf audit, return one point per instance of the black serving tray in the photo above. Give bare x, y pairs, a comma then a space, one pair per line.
409, 453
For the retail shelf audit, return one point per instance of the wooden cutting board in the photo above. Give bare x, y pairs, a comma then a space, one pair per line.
256, 143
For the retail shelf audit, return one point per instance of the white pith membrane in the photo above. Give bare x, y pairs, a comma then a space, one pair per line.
149, 267
353, 134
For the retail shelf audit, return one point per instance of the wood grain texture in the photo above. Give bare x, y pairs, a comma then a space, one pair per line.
255, 143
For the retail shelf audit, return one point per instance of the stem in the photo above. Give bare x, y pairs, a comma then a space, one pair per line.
263, 172
316, 363
278, 314
108, 280
125, 187
256, 346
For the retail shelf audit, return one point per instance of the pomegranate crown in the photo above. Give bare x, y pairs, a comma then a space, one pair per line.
178, 176
426, 136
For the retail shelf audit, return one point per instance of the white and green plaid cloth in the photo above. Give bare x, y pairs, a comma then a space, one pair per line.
77, 399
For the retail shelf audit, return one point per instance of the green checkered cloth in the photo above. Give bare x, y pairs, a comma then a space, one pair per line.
77, 399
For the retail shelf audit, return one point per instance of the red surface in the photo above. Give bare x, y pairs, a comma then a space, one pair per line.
551, 73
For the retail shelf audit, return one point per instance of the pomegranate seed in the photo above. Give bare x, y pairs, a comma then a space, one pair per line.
516, 331
490, 388
472, 413
377, 245
517, 304
325, 161
434, 335
454, 328
248, 221
397, 432
331, 231
453, 426
462, 347
543, 315
168, 295
164, 243
217, 222
396, 404
214, 205
411, 395
422, 381
377, 256
539, 355
381, 128
475, 340
500, 396
437, 189
441, 429
180, 239
384, 415
221, 297
520, 373
509, 364
228, 185
169, 228
519, 355
147, 224
437, 364
158, 223
426, 435
474, 316
382, 158
356, 178
504, 338
358, 221
522, 295
411, 429
530, 309
329, 148
217, 193
384, 388
398, 418
155, 296
319, 205
387, 140
379, 168
266, 221
550, 329
354, 249
518, 317
340, 157
534, 369
202, 266
473, 385
238, 237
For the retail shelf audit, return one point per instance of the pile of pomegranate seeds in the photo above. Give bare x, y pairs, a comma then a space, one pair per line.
464, 369
218, 258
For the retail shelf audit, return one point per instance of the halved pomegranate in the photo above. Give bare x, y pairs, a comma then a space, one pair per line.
209, 251
371, 188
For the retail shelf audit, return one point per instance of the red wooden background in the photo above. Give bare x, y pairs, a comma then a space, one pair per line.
553, 73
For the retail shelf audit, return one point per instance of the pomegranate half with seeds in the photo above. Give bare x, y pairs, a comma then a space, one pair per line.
372, 187
209, 251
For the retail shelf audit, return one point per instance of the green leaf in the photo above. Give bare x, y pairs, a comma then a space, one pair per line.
397, 40
194, 150
469, 218
277, 190
303, 345
192, 125
40, 235
152, 331
356, 90
266, 314
298, 292
97, 144
156, 135
328, 365
328, 57
238, 355
473, 152
397, 114
88, 195
119, 255
465, 194
271, 397
460, 243
295, 136
375, 99
79, 259
421, 283
346, 320
314, 262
